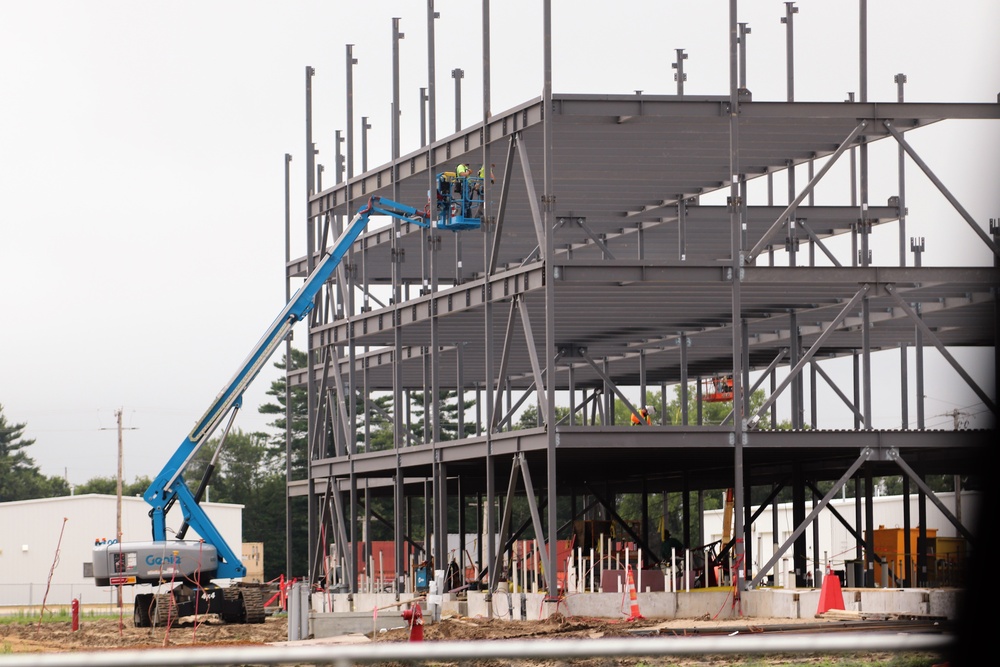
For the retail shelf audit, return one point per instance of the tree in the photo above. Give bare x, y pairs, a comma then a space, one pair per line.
449, 416
109, 486
300, 416
20, 478
529, 418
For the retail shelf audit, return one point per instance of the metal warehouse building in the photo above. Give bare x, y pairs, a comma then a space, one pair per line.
45, 545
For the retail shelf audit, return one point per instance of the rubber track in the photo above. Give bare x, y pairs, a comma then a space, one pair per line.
253, 605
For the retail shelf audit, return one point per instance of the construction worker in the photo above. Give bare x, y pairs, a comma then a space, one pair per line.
476, 191
482, 172
643, 415
671, 546
462, 172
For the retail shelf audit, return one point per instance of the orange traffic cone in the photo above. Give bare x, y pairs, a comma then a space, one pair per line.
633, 599
830, 596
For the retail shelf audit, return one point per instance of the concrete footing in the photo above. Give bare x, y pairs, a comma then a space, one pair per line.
340, 613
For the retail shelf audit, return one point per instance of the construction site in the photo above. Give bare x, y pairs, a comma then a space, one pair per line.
619, 267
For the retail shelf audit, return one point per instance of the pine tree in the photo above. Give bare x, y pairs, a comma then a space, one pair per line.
20, 478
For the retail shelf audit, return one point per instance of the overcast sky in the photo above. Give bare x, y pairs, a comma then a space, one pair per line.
142, 164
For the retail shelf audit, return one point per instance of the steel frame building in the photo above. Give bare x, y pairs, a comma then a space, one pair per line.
625, 248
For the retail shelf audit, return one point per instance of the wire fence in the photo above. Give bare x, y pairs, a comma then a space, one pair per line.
61, 595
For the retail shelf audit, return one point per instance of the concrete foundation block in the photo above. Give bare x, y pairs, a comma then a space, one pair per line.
353, 622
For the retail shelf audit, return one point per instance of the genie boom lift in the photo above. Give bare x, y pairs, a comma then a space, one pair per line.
189, 567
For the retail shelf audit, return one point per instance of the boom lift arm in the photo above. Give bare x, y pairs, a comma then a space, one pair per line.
146, 562
165, 489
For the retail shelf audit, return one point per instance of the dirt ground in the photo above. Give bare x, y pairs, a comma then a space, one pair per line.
105, 633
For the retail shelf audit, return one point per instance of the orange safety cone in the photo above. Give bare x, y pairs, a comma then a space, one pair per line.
633, 598
830, 595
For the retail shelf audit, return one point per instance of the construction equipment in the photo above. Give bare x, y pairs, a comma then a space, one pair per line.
459, 202
190, 567
718, 389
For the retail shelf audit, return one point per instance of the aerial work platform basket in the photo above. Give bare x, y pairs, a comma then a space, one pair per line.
718, 389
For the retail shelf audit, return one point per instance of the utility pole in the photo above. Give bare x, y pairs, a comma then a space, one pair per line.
118, 486
118, 525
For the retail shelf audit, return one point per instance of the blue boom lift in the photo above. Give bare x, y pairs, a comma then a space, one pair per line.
191, 566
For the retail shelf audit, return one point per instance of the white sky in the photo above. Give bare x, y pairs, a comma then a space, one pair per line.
142, 164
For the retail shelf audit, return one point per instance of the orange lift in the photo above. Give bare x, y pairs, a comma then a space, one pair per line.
718, 389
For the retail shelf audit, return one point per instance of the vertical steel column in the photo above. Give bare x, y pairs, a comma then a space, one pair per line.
794, 353
571, 376
548, 201
351, 62
663, 400
489, 378
859, 546
917, 246
396, 36
791, 240
812, 201
866, 351
431, 74
869, 523
440, 487
790, 10
799, 553
865, 219
311, 398
365, 126
682, 343
428, 522
423, 118
817, 569
900, 80
460, 389
289, 366
922, 578
487, 184
681, 228
857, 387
744, 30
736, 258
400, 431
366, 536
904, 387
679, 76
774, 387
699, 413
460, 495
458, 74
642, 377
351, 389
746, 365
813, 399
907, 548
863, 48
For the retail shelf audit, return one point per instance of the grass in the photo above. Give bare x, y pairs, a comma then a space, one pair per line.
58, 615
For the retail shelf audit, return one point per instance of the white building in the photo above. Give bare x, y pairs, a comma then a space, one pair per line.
45, 544
836, 544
